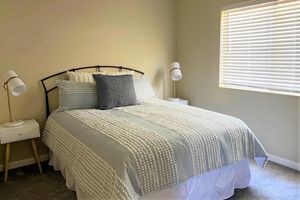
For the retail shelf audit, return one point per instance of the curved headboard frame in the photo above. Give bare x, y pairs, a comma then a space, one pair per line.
96, 67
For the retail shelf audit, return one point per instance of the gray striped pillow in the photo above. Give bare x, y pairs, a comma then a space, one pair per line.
77, 95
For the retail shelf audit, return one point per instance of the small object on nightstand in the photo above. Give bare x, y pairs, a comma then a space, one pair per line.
178, 101
176, 75
14, 85
29, 130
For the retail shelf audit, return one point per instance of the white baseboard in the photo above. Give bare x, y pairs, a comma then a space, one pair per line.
284, 162
21, 163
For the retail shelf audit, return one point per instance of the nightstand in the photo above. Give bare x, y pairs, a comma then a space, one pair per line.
29, 130
178, 101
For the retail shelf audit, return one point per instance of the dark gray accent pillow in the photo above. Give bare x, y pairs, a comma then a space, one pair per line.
115, 91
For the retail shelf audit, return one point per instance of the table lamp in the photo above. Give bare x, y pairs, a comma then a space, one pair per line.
176, 75
14, 85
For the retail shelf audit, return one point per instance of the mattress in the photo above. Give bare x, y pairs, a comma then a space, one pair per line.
129, 152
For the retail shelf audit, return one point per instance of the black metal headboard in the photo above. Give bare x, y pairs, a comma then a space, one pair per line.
96, 67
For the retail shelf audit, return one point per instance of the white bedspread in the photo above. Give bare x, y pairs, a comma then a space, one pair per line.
135, 151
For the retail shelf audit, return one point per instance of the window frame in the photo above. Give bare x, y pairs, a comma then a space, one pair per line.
248, 4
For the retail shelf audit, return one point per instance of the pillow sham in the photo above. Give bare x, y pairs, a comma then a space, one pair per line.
143, 89
76, 95
88, 77
115, 91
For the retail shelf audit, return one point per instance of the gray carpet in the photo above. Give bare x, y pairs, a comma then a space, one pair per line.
273, 182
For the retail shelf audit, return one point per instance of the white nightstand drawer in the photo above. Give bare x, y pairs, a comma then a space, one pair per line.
27, 131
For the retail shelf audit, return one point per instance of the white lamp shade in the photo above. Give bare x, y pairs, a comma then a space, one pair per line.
176, 74
15, 85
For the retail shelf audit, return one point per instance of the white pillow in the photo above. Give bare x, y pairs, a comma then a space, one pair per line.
88, 77
143, 89
81, 77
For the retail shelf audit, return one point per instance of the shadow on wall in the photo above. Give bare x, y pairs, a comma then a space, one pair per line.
159, 82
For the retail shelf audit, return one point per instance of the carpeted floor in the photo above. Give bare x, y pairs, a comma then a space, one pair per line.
274, 182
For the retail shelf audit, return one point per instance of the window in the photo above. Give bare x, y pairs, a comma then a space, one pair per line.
260, 47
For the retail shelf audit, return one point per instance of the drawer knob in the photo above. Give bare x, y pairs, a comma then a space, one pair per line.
20, 134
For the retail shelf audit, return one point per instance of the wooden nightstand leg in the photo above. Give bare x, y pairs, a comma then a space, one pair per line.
36, 155
6, 162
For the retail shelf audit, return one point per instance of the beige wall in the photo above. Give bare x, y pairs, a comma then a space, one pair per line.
39, 38
273, 118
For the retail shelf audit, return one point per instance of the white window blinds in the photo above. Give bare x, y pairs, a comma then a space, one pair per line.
260, 47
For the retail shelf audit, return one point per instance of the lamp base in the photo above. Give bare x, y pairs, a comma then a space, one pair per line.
15, 123
173, 99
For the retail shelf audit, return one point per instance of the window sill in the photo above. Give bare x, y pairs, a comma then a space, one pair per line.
259, 90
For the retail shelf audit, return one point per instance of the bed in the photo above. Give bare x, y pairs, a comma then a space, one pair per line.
153, 150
